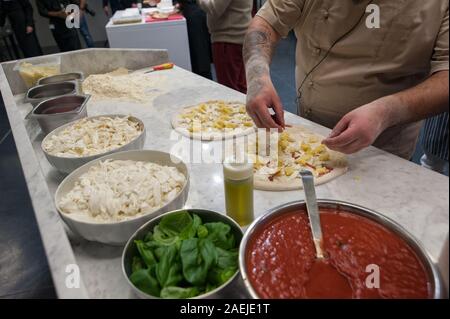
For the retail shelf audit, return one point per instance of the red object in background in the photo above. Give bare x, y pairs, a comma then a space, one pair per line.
172, 17
229, 65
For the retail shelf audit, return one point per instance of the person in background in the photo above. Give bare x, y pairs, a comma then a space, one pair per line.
20, 15
84, 27
435, 144
117, 5
66, 38
114, 4
228, 21
199, 38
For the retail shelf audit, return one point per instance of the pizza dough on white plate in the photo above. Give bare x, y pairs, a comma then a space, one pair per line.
213, 120
297, 149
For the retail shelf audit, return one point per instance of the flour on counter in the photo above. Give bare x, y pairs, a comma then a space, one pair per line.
120, 84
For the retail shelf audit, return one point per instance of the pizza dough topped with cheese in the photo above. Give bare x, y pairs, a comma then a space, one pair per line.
296, 149
214, 120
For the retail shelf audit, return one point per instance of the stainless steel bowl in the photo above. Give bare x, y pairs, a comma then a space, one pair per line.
68, 164
64, 77
39, 93
234, 288
430, 267
117, 233
54, 112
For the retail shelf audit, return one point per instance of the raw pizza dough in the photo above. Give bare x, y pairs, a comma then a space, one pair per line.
213, 120
298, 149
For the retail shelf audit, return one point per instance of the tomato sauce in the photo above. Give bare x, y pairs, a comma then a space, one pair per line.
281, 260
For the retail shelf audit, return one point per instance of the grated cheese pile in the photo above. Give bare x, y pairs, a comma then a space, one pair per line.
32, 73
92, 136
116, 190
120, 84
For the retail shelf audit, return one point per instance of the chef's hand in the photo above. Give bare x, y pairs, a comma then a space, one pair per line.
261, 97
29, 29
106, 10
359, 128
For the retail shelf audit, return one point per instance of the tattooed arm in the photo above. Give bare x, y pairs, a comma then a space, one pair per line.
259, 46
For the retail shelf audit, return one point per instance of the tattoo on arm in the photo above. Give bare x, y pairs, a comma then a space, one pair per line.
259, 46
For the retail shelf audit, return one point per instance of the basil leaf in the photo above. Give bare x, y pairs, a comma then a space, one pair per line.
168, 270
202, 231
220, 234
191, 230
176, 223
146, 254
136, 264
164, 236
227, 258
145, 282
197, 257
179, 293
218, 276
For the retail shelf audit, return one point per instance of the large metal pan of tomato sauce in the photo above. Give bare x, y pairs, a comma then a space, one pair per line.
373, 256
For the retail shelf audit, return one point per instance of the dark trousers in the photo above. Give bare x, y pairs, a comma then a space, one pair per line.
229, 65
66, 39
84, 30
28, 42
199, 40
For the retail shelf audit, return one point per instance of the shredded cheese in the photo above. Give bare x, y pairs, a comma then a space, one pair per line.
116, 190
92, 136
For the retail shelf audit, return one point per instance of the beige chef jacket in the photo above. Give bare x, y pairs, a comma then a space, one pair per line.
365, 63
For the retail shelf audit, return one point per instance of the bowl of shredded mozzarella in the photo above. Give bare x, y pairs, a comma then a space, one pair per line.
108, 199
77, 143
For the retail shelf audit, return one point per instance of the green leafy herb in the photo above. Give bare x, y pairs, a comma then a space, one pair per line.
179, 293
144, 281
146, 254
184, 258
220, 234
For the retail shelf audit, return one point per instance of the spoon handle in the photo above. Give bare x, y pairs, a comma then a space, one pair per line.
313, 210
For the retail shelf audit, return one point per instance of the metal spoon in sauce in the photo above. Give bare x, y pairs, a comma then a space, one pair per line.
313, 211
324, 278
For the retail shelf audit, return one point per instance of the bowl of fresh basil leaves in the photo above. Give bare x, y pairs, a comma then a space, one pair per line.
189, 253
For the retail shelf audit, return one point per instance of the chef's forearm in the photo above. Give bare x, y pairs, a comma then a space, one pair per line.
420, 102
259, 46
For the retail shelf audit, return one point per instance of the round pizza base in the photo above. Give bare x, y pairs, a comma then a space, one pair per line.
338, 162
206, 136
295, 184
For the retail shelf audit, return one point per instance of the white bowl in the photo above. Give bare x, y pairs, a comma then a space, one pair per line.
117, 233
68, 164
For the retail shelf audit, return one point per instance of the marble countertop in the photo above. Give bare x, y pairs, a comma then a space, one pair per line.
416, 198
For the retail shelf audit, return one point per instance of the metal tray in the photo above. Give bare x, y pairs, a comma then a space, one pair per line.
64, 77
40, 93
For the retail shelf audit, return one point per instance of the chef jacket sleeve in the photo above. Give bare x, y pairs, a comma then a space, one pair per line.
439, 59
282, 15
